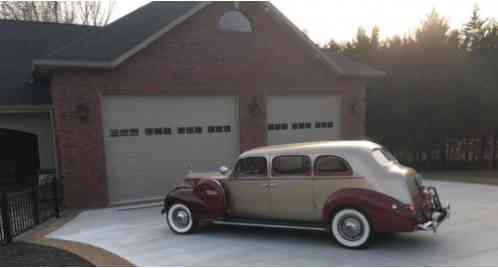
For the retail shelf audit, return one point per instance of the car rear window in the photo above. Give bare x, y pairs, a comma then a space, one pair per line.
383, 156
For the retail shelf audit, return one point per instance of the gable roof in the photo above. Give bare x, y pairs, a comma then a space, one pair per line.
109, 46
114, 43
354, 68
20, 43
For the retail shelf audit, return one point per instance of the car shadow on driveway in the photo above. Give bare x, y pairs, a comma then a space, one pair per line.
409, 241
277, 247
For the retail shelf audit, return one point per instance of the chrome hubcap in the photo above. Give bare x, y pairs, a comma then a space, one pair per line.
181, 218
351, 228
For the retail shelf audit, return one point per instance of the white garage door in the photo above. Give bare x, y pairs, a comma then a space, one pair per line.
303, 118
150, 141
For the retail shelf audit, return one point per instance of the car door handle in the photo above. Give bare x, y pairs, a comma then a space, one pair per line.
272, 185
264, 185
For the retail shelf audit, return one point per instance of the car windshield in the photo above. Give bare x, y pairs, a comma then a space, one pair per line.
383, 156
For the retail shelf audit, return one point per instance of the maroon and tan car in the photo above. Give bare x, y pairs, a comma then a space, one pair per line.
353, 189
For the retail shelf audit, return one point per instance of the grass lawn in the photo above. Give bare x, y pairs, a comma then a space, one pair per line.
470, 176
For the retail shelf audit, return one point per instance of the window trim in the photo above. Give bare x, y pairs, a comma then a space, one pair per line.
245, 15
259, 177
309, 172
348, 173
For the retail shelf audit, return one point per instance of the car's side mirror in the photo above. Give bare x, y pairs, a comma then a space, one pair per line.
224, 170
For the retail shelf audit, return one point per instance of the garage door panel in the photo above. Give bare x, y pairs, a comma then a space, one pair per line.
147, 166
303, 118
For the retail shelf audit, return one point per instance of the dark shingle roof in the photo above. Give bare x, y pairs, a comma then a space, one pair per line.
353, 68
113, 40
20, 43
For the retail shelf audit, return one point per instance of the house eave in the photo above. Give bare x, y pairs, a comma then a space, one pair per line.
370, 75
15, 109
49, 63
66, 63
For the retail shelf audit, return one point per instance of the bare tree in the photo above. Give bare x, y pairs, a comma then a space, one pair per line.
96, 13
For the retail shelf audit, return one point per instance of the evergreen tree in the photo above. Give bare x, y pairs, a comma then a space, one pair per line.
473, 31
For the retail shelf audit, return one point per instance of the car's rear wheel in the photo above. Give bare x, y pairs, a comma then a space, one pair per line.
351, 228
180, 220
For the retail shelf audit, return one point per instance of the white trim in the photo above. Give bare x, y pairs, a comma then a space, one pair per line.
145, 43
159, 33
305, 38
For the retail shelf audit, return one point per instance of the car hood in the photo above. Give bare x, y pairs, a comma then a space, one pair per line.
206, 175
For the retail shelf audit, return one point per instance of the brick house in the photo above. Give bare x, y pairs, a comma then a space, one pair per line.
175, 86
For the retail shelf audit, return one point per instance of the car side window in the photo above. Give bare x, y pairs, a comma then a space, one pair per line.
329, 165
251, 167
292, 165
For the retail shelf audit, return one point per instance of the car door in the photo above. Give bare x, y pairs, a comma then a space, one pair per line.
332, 173
292, 188
248, 189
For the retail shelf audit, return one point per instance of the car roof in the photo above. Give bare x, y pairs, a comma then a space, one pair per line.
313, 148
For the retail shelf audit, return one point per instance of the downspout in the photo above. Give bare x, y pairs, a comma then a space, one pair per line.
54, 142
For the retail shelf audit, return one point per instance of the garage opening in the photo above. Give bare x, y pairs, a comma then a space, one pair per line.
150, 147
19, 159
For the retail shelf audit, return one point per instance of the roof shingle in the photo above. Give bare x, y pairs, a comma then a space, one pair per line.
109, 42
20, 43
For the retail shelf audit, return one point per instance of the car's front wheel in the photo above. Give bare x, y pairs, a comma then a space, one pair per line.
351, 228
180, 220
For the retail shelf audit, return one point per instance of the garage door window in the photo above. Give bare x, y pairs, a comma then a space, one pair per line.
278, 126
301, 125
189, 130
291, 166
329, 165
125, 132
219, 129
324, 124
157, 131
251, 167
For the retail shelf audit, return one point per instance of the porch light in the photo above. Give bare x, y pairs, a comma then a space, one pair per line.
82, 112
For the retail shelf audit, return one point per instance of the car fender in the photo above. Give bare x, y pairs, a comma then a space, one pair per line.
206, 199
385, 213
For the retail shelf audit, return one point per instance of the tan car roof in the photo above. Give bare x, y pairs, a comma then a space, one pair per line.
313, 148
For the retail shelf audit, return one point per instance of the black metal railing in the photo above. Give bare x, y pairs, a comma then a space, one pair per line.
23, 210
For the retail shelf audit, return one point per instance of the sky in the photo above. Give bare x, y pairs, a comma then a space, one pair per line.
340, 19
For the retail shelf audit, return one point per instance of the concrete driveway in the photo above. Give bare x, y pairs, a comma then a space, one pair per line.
140, 235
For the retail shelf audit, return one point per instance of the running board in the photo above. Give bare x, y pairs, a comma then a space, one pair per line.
269, 225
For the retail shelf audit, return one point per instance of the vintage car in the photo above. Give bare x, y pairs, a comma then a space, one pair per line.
352, 189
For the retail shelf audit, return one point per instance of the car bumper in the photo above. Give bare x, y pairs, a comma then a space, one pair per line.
437, 213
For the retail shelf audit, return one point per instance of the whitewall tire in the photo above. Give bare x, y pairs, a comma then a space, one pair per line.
180, 220
351, 228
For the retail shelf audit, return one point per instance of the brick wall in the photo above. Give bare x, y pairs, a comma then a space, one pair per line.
194, 58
